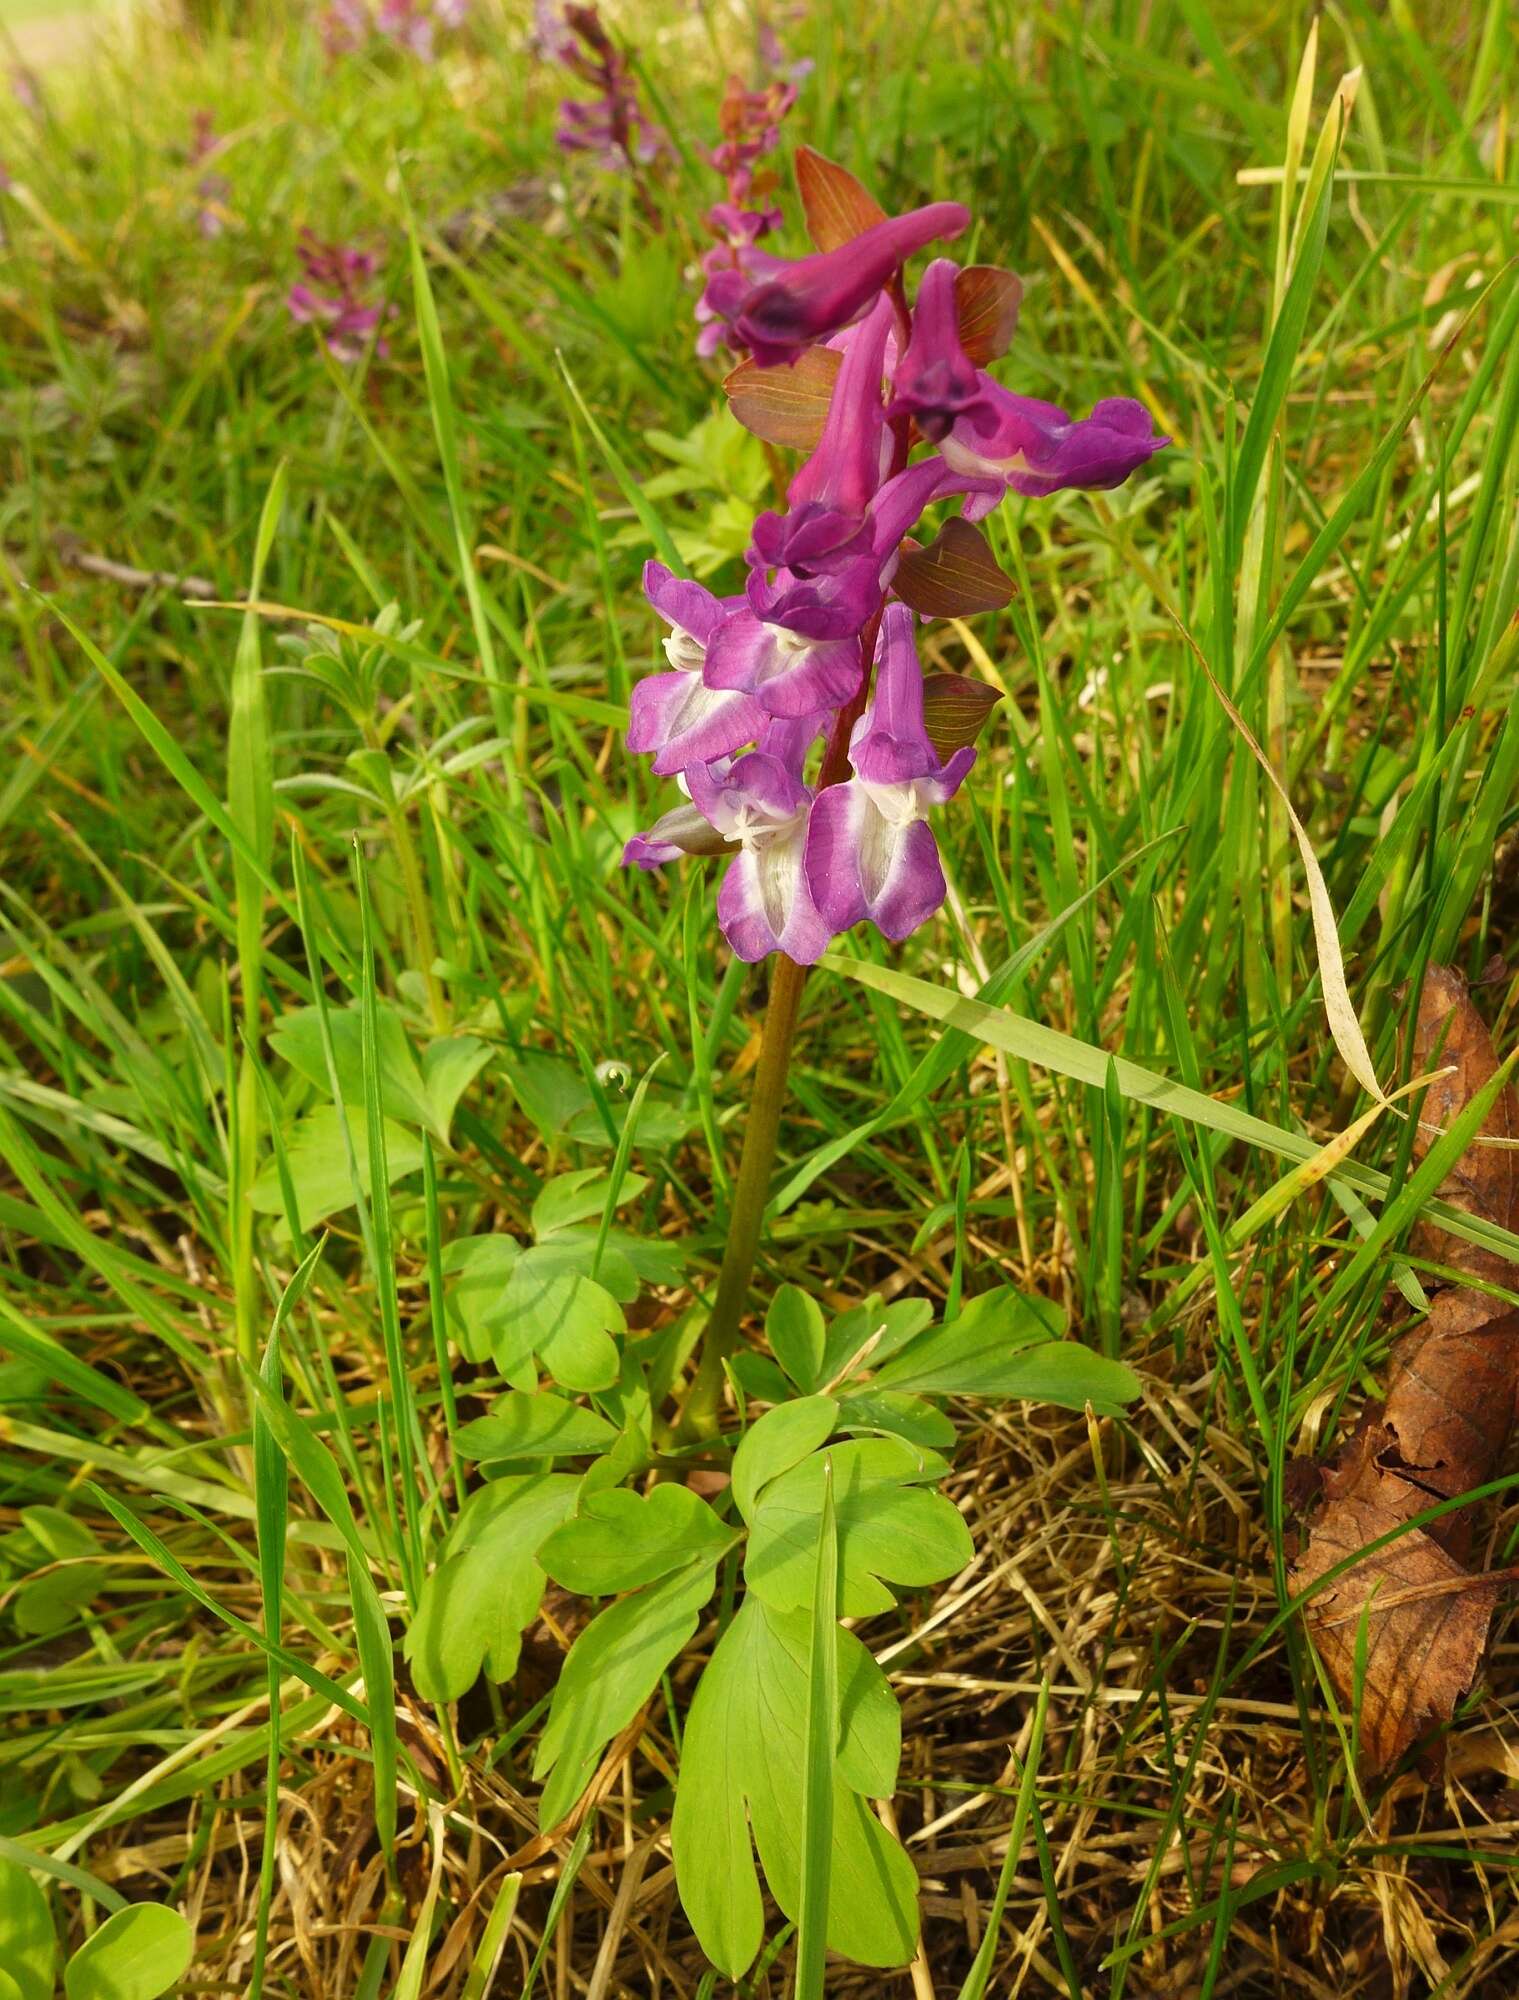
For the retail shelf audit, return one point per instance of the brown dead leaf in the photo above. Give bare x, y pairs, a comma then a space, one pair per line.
1443, 1429
835, 206
789, 404
1449, 1031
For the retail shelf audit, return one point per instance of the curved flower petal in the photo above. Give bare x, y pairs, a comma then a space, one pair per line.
765, 905
1037, 449
828, 497
812, 297
890, 747
685, 722
787, 674
860, 863
685, 605
936, 381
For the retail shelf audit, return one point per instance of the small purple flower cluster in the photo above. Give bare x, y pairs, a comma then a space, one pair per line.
756, 679
336, 295
412, 25
751, 127
212, 190
612, 127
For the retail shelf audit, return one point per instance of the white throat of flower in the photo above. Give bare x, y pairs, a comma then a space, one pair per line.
898, 803
683, 652
757, 829
788, 643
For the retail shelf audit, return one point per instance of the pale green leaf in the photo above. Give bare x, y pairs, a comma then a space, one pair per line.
610, 1671
28, 1945
488, 1585
742, 1760
539, 1425
137, 1954
890, 1528
316, 1158
780, 1439
621, 1541
795, 1332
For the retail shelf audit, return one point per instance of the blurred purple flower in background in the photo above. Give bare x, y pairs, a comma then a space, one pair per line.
348, 26
612, 127
212, 190
336, 295
751, 123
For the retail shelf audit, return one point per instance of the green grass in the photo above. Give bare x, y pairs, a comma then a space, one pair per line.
208, 822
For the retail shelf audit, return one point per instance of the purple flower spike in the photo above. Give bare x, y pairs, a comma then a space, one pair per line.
832, 492
936, 381
870, 851
809, 298
764, 903
677, 715
1035, 448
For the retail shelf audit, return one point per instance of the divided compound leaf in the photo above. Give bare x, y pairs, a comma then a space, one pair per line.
781, 1438
316, 1156
741, 1771
620, 1540
1005, 1344
891, 1527
28, 1946
796, 1333
610, 1672
486, 1590
534, 1424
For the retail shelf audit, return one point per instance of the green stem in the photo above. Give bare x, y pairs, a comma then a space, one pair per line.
749, 1192
698, 1417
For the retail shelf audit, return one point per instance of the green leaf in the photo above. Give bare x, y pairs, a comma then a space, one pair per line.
481, 1266
621, 1541
795, 1331
28, 1945
564, 1317
874, 1332
741, 1768
556, 1097
487, 1587
136, 1955
608, 1674
1005, 1344
570, 1198
890, 1528
818, 1777
316, 1157
900, 1414
537, 1425
53, 1602
781, 1438
403, 1094
449, 1067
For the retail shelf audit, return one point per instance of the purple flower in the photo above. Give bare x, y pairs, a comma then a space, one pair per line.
831, 495
613, 128
806, 299
936, 381
677, 715
345, 28
870, 851
409, 25
332, 295
762, 803
1036, 449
